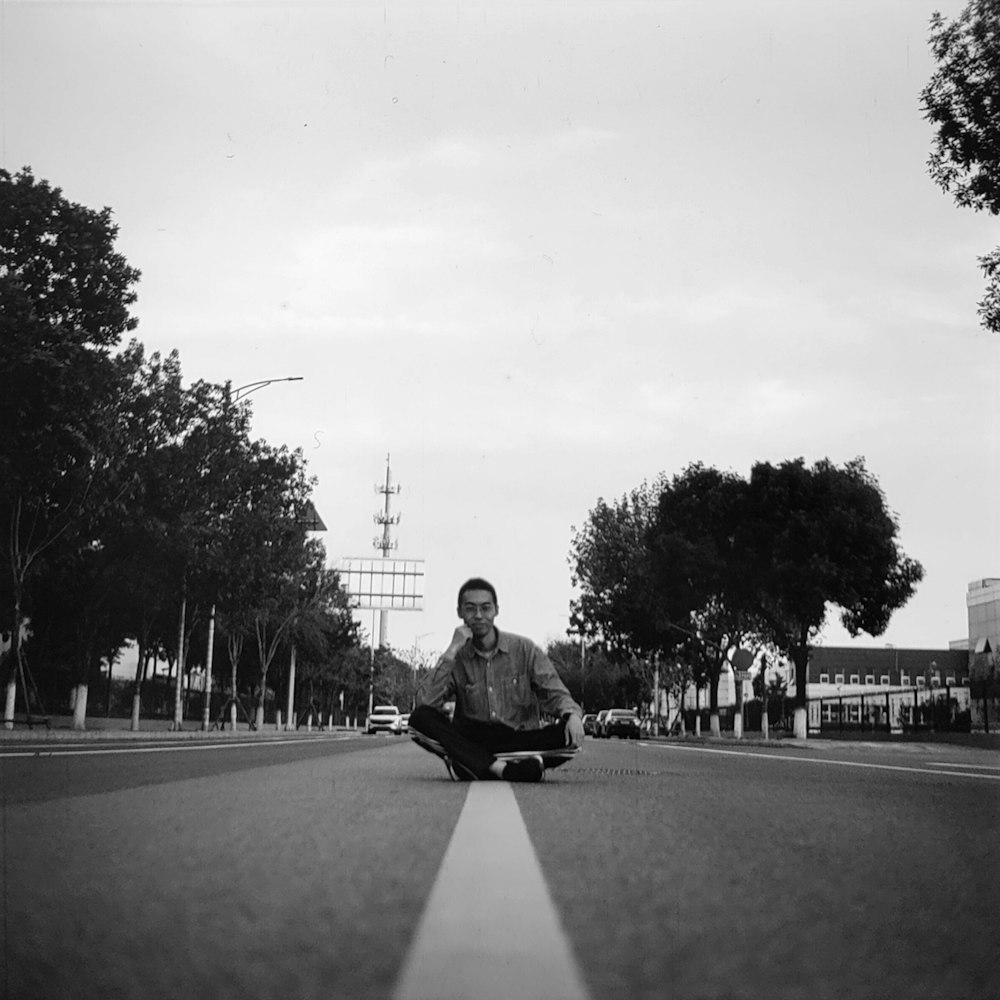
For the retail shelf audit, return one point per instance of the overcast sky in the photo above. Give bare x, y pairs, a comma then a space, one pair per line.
539, 253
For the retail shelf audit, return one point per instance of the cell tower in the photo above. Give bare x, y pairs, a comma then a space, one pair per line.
385, 543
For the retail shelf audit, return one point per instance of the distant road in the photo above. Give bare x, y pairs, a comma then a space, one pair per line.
313, 867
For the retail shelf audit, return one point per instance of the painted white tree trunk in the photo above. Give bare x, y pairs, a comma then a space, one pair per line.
80, 707
715, 728
136, 708
10, 702
801, 723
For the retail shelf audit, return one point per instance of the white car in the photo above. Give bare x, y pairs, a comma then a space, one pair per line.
385, 719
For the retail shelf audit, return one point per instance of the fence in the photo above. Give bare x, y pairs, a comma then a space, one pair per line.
899, 711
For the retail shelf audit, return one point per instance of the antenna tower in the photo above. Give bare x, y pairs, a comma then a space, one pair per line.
385, 542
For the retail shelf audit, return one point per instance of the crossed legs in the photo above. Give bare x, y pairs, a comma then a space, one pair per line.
473, 746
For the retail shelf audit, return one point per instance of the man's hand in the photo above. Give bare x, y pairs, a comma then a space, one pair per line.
574, 731
462, 635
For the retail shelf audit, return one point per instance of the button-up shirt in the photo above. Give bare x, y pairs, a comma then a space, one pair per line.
510, 684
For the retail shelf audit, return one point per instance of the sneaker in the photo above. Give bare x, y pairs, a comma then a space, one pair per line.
528, 769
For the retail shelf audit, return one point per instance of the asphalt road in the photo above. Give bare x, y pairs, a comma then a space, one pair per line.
303, 868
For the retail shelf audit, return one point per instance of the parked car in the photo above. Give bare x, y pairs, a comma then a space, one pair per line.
588, 724
404, 722
384, 719
623, 723
599, 723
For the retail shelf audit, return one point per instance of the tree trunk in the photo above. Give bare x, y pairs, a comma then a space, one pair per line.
15, 656
80, 707
714, 726
800, 657
10, 702
259, 715
179, 680
140, 670
801, 723
206, 714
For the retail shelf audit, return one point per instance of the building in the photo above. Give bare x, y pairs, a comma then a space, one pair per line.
983, 603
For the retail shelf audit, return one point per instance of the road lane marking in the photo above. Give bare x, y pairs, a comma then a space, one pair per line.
827, 760
489, 929
977, 767
163, 748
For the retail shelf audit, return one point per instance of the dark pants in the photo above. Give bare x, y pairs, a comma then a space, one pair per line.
473, 745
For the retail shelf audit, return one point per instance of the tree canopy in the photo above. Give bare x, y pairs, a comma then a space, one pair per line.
962, 101
132, 505
705, 561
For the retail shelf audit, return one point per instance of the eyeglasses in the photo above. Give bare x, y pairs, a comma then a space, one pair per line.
471, 609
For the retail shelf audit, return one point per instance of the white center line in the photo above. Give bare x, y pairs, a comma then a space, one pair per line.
490, 929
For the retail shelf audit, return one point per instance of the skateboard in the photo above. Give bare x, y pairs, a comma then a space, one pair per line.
550, 758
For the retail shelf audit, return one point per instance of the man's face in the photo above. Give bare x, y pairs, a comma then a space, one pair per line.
477, 610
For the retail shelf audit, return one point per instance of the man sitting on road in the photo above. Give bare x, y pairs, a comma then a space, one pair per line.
499, 682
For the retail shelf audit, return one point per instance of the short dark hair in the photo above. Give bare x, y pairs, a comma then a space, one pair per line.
477, 583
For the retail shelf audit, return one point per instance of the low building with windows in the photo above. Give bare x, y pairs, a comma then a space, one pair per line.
887, 689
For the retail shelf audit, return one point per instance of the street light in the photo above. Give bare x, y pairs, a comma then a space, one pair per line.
235, 395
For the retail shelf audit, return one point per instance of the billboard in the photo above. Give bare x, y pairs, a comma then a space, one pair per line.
383, 584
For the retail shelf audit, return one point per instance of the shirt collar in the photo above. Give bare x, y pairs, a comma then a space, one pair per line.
502, 646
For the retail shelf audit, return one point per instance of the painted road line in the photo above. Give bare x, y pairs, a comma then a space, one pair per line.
164, 748
826, 760
976, 767
489, 929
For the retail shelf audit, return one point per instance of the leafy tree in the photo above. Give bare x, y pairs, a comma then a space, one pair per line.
702, 570
962, 101
65, 295
610, 564
394, 680
822, 536
321, 632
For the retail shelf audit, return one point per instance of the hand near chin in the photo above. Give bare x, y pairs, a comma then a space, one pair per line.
462, 635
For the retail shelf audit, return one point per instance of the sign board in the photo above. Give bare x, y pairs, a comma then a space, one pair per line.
742, 675
383, 584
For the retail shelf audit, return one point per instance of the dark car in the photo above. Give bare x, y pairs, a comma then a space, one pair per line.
623, 723
588, 724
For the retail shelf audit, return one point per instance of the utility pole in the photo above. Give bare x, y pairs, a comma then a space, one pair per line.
385, 542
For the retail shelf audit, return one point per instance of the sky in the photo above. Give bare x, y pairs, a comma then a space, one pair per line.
539, 253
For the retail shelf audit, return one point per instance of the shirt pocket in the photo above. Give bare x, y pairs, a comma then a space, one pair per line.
517, 698
475, 701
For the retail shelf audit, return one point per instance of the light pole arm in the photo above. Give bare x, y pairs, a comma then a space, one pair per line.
235, 395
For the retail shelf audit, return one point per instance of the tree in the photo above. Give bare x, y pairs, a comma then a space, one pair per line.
818, 537
610, 564
962, 101
64, 305
702, 570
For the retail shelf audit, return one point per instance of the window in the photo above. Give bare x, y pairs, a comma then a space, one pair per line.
869, 678
904, 679
838, 678
885, 680
824, 678
921, 682
950, 679
855, 678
